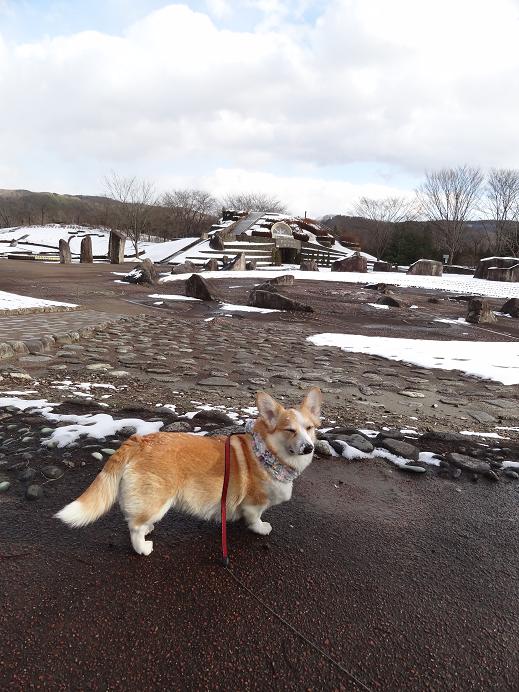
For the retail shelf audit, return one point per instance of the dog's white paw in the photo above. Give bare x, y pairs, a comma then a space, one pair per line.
262, 528
147, 547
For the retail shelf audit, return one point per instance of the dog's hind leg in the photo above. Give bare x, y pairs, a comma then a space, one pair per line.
138, 537
144, 524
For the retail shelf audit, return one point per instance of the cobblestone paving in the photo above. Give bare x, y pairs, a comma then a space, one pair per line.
33, 326
167, 358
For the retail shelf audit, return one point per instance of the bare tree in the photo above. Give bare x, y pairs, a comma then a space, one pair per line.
136, 198
447, 198
189, 212
253, 201
4, 218
501, 206
384, 214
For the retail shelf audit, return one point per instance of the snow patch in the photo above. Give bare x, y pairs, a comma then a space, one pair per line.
495, 360
452, 283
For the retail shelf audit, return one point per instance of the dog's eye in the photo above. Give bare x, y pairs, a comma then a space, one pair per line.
310, 427
290, 430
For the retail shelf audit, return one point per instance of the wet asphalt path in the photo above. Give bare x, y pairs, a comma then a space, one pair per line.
409, 583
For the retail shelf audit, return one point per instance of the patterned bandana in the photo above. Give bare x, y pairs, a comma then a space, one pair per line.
279, 471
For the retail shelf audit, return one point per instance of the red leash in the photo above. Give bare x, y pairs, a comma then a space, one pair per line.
227, 472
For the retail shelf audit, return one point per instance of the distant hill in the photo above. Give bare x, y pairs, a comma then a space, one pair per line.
27, 208
23, 207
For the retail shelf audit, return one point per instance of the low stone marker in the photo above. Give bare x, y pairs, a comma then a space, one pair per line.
144, 273
479, 311
86, 256
211, 265
309, 266
237, 264
268, 297
186, 267
384, 267
65, 256
426, 267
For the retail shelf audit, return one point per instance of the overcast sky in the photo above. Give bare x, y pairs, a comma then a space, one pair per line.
316, 102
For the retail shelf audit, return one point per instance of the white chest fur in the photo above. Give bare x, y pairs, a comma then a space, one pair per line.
279, 492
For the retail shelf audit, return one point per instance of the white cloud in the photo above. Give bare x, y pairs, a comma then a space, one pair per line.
310, 193
406, 84
219, 8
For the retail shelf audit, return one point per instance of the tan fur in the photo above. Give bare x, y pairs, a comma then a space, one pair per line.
149, 474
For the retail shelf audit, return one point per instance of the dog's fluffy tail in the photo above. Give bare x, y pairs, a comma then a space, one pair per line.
100, 495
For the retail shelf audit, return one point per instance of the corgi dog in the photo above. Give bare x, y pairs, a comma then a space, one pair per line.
151, 473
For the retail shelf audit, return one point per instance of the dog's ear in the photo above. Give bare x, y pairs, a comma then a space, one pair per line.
312, 403
269, 409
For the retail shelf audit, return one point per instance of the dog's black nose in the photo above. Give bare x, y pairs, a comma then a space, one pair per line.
307, 449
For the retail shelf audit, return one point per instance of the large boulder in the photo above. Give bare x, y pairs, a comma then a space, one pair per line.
380, 287
65, 256
86, 256
389, 301
486, 269
426, 267
479, 311
197, 287
283, 280
511, 307
144, 273
267, 286
309, 266
272, 300
186, 267
354, 263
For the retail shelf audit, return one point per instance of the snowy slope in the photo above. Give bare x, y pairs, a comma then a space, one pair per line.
159, 251
45, 239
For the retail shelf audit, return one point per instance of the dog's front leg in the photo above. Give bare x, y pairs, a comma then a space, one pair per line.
252, 517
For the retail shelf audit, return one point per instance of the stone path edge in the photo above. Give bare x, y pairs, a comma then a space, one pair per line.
40, 309
47, 342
